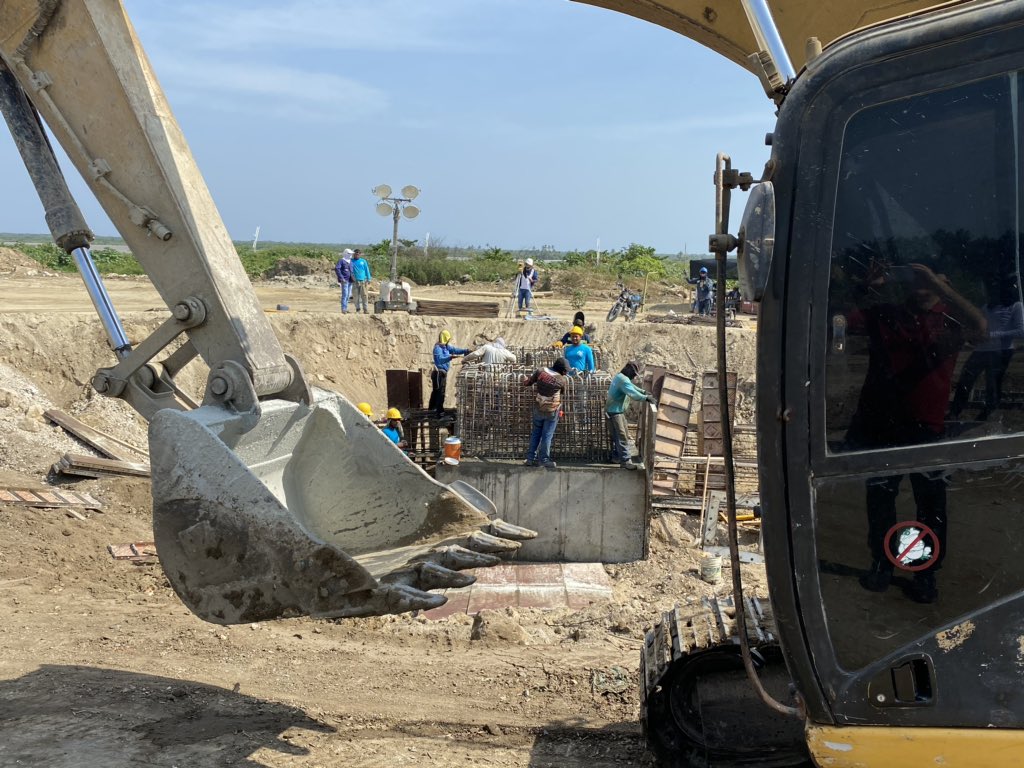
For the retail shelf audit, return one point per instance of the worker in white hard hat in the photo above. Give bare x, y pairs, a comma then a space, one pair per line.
525, 280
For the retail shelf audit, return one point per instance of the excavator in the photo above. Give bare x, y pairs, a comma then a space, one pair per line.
271, 498
882, 240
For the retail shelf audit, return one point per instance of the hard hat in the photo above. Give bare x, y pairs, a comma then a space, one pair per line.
703, 270
558, 344
394, 413
444, 337
576, 331
529, 262
365, 409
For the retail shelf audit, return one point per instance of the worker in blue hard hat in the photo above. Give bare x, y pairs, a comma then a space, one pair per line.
705, 292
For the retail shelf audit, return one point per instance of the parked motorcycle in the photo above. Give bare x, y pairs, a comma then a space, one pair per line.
627, 304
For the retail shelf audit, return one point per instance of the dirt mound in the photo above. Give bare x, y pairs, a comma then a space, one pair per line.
16, 262
298, 266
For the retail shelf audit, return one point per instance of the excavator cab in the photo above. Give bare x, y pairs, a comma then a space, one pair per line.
890, 391
270, 498
883, 241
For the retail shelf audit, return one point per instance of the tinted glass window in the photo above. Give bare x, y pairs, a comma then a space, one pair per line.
954, 534
925, 307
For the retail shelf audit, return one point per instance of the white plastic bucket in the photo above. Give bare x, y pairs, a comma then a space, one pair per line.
711, 569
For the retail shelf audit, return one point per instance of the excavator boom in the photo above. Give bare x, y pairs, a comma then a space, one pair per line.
271, 499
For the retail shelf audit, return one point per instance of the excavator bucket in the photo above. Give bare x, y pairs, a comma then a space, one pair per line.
312, 511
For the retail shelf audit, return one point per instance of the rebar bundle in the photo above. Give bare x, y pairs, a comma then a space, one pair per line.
495, 413
544, 357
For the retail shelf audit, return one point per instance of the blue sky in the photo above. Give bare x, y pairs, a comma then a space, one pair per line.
525, 123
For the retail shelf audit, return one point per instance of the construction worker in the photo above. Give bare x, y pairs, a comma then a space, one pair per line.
622, 387
578, 321
579, 355
366, 409
548, 384
492, 353
525, 281
393, 429
444, 352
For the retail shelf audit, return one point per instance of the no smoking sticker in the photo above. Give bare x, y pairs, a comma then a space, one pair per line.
912, 546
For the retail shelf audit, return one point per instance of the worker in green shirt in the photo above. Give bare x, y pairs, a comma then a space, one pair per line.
622, 387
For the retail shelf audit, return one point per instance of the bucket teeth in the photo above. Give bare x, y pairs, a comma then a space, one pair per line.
484, 542
459, 558
508, 531
427, 575
434, 576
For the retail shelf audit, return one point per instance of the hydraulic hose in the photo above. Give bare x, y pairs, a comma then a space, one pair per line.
719, 244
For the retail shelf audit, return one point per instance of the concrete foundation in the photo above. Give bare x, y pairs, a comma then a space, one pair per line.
582, 513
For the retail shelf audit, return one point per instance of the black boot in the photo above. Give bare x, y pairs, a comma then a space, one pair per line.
878, 577
922, 589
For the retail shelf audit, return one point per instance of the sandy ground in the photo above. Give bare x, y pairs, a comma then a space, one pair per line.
103, 666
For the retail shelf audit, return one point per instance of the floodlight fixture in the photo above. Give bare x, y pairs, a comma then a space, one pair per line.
396, 207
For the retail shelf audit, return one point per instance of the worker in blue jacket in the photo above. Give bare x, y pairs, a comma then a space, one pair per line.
361, 277
579, 355
443, 354
622, 387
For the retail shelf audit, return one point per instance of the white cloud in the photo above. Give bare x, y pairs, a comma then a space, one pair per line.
326, 25
255, 87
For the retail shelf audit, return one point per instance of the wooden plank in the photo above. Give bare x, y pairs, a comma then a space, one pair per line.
110, 446
457, 308
48, 498
136, 551
91, 466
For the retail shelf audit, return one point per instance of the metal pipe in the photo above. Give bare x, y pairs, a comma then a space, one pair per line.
768, 38
101, 301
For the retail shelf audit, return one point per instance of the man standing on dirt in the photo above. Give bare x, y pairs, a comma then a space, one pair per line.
525, 281
622, 387
361, 276
705, 290
343, 270
443, 354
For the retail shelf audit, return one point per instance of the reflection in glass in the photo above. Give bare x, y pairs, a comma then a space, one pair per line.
924, 289
982, 543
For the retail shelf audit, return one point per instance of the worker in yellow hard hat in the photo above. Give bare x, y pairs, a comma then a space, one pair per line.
366, 409
578, 321
579, 355
393, 429
444, 352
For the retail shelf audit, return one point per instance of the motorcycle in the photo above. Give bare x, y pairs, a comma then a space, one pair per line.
627, 304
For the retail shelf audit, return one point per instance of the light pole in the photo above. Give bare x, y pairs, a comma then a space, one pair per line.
396, 207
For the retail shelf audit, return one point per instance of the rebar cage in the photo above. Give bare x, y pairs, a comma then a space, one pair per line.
495, 411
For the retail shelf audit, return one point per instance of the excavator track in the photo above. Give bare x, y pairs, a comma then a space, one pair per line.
698, 709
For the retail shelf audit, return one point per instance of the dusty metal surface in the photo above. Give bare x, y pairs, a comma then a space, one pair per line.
313, 511
722, 25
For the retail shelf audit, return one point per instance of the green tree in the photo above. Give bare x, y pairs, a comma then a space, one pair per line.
639, 260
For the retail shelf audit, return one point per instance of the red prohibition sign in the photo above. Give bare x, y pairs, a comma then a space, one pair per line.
923, 531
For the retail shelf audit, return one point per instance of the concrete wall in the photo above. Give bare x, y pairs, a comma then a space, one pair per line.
581, 513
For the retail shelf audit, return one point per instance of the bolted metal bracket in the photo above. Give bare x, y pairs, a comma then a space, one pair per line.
149, 386
230, 385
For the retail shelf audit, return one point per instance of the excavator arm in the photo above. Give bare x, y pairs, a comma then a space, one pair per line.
271, 499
